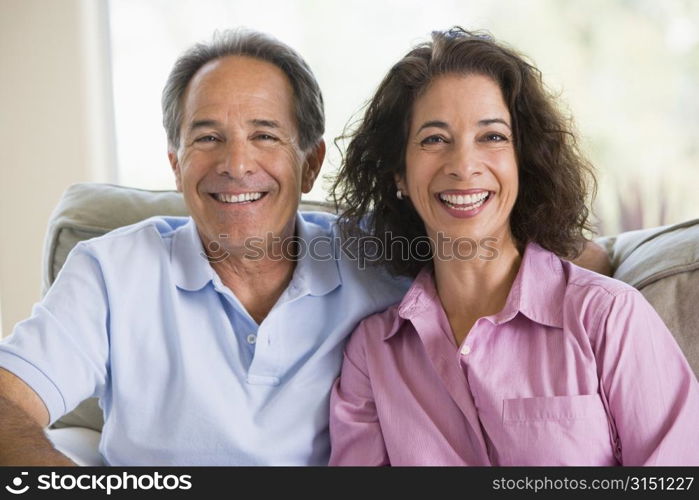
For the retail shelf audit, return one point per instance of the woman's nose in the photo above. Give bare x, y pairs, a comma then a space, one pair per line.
463, 162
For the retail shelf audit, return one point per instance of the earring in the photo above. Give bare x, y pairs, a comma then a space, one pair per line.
399, 194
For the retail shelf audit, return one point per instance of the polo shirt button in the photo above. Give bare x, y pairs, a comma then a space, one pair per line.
251, 338
465, 349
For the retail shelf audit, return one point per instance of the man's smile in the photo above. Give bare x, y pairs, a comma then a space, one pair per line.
229, 198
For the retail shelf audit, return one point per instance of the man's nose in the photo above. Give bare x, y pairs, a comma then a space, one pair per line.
237, 160
464, 162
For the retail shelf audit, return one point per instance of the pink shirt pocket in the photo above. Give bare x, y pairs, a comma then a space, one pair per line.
555, 430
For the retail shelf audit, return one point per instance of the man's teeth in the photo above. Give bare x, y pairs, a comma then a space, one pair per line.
232, 198
465, 201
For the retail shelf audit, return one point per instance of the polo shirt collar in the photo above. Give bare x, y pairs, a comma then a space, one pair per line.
316, 272
314, 275
190, 264
537, 292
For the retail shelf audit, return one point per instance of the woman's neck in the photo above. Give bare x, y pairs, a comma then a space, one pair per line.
477, 287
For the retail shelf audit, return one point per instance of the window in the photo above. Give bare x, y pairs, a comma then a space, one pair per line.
627, 71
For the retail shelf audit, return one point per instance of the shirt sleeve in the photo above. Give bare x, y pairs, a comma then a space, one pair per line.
61, 351
355, 432
650, 391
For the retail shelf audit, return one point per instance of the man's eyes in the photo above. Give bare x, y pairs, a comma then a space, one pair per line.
213, 139
265, 137
206, 139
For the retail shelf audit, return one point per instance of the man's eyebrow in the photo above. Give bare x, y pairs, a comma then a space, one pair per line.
257, 122
203, 124
489, 121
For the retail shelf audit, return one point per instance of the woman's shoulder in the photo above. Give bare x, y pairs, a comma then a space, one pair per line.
376, 328
579, 277
597, 297
565, 281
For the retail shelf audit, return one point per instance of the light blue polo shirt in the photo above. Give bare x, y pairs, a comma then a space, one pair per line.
140, 319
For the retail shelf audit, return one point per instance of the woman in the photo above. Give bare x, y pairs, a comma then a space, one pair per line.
507, 355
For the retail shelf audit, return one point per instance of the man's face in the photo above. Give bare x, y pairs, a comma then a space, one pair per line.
239, 165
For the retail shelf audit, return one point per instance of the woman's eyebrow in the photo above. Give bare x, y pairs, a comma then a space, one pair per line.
434, 123
489, 121
481, 123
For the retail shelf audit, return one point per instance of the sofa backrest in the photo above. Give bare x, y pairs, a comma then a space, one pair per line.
663, 263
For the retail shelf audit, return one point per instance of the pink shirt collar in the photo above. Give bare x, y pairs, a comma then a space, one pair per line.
537, 292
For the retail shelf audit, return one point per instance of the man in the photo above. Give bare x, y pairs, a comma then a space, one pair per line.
201, 351
225, 360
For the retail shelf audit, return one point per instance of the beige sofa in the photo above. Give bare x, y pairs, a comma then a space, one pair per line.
663, 262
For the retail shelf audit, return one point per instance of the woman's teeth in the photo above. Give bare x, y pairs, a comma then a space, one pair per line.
465, 201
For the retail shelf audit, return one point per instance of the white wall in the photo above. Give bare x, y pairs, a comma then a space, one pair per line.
56, 128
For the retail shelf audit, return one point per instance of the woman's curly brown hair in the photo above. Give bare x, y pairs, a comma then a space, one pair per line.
554, 177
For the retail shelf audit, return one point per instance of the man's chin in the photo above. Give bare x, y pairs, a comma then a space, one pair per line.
257, 244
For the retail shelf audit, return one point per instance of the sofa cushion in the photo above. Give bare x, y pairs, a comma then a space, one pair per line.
663, 263
89, 210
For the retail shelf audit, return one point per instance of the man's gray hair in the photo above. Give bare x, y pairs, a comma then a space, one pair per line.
308, 102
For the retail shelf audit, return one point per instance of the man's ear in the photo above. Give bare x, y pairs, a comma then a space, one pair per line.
175, 164
311, 167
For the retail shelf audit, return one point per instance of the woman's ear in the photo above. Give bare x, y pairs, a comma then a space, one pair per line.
401, 189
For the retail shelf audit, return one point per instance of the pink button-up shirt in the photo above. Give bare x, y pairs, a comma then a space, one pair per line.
577, 369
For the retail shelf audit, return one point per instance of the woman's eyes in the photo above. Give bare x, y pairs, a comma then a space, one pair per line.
433, 139
493, 137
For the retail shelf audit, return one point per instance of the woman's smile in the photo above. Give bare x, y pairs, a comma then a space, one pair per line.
464, 203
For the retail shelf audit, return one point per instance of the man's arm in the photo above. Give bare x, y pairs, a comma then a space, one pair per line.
23, 417
595, 258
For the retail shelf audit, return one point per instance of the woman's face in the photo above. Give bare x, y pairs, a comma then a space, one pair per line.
461, 171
